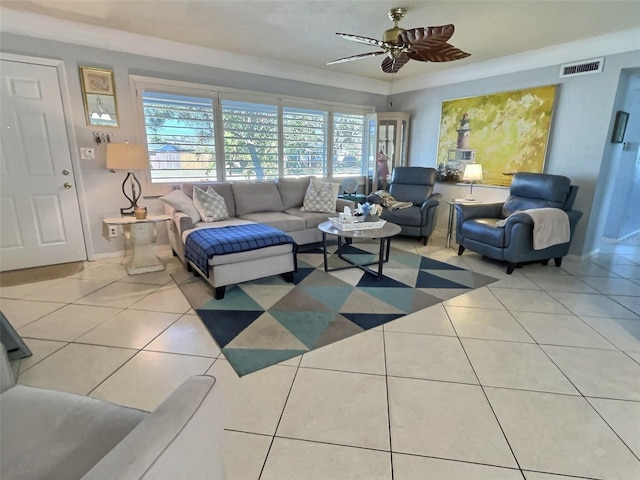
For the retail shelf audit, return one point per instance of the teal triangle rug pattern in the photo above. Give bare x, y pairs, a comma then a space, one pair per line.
267, 321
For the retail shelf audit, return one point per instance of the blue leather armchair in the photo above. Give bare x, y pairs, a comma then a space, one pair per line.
476, 224
415, 185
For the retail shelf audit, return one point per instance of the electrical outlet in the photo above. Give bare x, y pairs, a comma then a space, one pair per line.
87, 153
113, 231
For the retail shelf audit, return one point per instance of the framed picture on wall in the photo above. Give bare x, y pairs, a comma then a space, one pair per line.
99, 96
619, 127
505, 132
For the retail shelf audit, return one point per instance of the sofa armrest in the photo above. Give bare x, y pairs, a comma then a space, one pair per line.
6, 375
517, 225
517, 217
182, 220
525, 224
574, 216
181, 439
432, 201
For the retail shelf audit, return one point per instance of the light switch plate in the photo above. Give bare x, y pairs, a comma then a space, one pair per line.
87, 153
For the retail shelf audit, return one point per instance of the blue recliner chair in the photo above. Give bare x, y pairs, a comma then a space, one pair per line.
476, 227
415, 185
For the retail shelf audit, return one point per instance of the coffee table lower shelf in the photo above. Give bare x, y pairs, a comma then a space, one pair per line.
382, 234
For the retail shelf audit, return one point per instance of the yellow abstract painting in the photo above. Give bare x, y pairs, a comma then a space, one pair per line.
505, 132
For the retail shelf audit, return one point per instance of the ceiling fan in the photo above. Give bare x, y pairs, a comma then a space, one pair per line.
424, 44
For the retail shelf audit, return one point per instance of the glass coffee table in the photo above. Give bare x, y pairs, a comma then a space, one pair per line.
383, 234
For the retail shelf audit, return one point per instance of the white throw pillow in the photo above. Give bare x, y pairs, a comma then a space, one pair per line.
320, 197
182, 203
210, 204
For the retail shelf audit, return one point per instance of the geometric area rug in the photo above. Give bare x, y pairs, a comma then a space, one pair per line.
266, 321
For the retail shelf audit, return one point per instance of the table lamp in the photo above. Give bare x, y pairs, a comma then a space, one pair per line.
128, 156
472, 173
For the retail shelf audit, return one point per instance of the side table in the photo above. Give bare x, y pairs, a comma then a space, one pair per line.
143, 235
357, 198
452, 204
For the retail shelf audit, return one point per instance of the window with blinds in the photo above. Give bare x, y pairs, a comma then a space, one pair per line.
250, 140
304, 138
180, 137
348, 144
195, 133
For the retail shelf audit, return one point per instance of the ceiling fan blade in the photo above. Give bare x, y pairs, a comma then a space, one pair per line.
356, 57
429, 37
444, 53
365, 40
392, 65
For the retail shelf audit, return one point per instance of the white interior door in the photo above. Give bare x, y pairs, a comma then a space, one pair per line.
39, 211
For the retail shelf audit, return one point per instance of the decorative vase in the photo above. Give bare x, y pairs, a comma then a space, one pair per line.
371, 218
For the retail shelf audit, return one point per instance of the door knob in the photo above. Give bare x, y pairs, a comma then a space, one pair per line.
65, 172
67, 185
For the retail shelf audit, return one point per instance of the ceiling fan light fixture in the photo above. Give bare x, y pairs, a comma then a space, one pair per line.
395, 53
396, 14
392, 35
425, 44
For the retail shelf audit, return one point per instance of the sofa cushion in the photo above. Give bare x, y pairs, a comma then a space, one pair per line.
57, 435
320, 197
182, 203
292, 191
536, 190
279, 220
210, 205
252, 197
484, 230
311, 219
411, 216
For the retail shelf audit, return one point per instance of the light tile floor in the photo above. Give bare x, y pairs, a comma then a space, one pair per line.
534, 377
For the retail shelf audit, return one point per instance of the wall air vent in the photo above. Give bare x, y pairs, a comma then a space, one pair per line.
582, 68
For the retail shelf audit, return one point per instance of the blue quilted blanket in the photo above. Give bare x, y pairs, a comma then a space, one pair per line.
202, 244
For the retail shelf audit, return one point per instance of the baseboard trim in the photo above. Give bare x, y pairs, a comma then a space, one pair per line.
39, 274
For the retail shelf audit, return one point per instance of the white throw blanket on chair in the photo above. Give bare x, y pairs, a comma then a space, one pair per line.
550, 226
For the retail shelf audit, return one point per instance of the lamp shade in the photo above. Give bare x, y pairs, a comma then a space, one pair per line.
127, 156
472, 172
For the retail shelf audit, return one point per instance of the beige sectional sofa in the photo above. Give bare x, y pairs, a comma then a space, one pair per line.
274, 203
